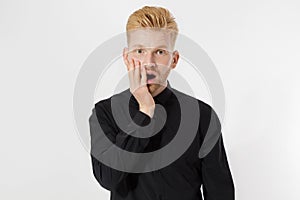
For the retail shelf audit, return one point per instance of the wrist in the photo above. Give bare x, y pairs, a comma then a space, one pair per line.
147, 110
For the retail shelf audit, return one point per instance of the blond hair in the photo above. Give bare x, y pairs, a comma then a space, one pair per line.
153, 17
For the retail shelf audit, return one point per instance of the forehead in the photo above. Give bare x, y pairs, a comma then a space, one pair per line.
150, 38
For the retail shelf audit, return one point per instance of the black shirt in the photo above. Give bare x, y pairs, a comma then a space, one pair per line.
183, 178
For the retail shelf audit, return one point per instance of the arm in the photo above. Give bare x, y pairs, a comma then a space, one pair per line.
217, 180
109, 178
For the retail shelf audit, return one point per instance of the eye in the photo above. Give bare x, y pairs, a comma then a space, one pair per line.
161, 52
139, 51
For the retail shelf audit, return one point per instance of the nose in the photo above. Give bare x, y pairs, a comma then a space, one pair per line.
149, 66
149, 60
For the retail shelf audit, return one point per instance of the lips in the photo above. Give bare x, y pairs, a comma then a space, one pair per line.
150, 76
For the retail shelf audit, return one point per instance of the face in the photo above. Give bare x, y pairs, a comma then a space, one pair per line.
154, 50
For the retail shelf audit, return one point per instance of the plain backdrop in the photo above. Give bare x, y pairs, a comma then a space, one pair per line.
43, 44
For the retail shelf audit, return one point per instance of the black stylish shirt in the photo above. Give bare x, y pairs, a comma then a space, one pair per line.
183, 178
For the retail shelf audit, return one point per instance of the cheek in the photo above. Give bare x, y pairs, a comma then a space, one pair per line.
163, 67
164, 61
164, 71
135, 57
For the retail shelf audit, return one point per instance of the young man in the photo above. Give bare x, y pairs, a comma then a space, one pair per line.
149, 58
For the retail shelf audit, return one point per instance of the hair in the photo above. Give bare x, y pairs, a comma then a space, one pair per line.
153, 17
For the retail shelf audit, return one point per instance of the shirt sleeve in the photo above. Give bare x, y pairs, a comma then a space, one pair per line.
110, 178
217, 180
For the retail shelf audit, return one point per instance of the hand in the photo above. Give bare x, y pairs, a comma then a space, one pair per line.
138, 85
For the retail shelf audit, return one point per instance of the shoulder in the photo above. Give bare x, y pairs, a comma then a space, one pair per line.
204, 107
106, 102
207, 113
103, 107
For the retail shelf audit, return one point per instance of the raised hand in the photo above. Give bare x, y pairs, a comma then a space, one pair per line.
138, 85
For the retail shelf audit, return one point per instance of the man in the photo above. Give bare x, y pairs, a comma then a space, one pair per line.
150, 56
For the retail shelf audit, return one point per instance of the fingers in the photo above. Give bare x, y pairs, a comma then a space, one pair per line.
130, 67
137, 73
129, 63
125, 58
137, 77
144, 75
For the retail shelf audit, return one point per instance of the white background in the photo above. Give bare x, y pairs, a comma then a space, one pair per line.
255, 46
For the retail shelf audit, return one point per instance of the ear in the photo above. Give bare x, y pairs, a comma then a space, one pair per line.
175, 58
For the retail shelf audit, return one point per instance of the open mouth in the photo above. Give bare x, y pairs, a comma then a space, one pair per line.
150, 76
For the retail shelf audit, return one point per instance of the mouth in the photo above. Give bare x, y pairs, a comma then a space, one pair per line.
150, 76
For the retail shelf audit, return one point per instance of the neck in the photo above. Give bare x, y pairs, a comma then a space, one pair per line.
156, 89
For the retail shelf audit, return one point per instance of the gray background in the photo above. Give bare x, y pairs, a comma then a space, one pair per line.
43, 44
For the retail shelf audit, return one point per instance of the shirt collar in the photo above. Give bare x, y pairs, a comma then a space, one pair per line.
162, 97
